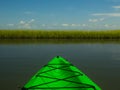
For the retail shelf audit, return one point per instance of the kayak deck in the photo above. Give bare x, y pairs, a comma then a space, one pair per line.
59, 74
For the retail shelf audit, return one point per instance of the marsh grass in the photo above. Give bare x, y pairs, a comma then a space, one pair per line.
60, 34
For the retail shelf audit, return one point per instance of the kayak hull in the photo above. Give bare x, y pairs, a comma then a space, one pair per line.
59, 74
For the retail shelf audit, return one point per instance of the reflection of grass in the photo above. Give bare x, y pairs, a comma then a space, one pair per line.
57, 41
73, 34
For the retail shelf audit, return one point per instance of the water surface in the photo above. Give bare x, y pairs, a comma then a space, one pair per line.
19, 61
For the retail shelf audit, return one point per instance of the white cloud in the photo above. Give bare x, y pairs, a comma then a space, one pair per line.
22, 22
93, 20
106, 25
65, 25
102, 19
10, 24
116, 7
43, 25
96, 20
84, 25
110, 25
31, 21
26, 24
107, 14
73, 25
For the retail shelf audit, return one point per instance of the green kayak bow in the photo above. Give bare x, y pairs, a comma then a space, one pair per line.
59, 74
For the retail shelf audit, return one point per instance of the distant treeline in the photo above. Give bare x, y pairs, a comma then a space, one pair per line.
60, 34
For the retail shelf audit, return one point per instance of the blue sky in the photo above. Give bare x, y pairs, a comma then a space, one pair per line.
60, 14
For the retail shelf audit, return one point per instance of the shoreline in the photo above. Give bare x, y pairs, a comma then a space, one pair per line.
56, 41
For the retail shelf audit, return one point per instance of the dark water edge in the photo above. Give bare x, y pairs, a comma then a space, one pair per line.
58, 41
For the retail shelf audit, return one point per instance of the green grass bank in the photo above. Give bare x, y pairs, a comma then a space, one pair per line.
60, 34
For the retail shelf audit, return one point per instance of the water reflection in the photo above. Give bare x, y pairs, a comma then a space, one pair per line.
57, 41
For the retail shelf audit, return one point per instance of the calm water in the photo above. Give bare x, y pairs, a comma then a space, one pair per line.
101, 62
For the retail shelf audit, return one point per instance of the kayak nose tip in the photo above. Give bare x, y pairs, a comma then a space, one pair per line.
57, 56
24, 88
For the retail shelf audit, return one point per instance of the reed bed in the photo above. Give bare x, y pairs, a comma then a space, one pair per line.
59, 34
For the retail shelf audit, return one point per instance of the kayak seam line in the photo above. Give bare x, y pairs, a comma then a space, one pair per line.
89, 86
